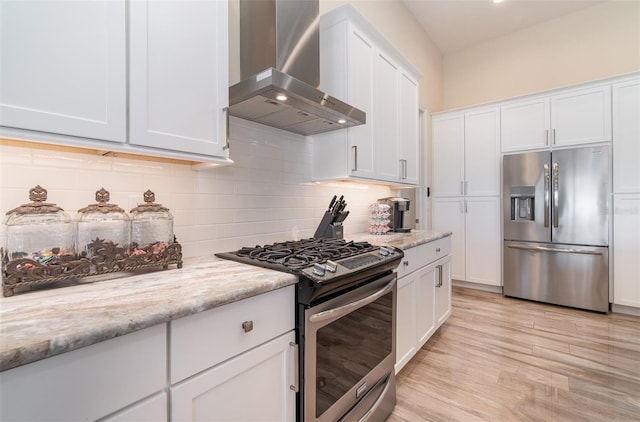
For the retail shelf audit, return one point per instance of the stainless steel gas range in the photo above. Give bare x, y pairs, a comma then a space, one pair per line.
345, 324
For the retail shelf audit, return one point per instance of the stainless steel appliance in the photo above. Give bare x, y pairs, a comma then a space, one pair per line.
280, 70
345, 324
399, 207
556, 226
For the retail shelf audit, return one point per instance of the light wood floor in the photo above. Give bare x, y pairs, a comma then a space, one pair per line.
502, 359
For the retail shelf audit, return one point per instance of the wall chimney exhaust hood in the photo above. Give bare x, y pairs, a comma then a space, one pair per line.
280, 70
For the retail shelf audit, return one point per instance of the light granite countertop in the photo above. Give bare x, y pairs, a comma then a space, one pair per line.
40, 324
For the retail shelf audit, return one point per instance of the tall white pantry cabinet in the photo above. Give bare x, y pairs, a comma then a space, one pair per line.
466, 189
626, 192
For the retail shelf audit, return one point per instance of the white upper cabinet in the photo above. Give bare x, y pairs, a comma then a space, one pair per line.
581, 117
576, 117
482, 152
448, 155
466, 151
525, 124
359, 67
409, 130
178, 75
626, 137
386, 118
63, 67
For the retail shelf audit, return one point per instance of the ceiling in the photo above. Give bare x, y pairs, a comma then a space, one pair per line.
457, 24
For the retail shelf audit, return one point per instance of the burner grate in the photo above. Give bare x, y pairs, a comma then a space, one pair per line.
300, 254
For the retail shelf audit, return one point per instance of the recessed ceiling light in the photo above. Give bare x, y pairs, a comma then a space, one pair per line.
498, 1
342, 121
281, 97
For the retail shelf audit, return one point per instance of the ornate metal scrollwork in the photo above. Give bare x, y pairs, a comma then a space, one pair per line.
105, 258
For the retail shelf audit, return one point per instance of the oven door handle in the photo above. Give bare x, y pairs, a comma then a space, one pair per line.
343, 310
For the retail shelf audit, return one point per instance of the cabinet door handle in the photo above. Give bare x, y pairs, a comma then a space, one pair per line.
461, 188
466, 187
466, 211
226, 113
295, 387
403, 168
439, 268
546, 136
247, 326
355, 158
554, 136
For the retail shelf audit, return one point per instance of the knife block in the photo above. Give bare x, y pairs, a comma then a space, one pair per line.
328, 230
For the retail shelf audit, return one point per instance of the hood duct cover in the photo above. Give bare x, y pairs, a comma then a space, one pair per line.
280, 71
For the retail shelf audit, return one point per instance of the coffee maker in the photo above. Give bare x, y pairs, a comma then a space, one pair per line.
398, 207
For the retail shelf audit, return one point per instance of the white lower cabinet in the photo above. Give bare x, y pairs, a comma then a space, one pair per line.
424, 297
124, 377
626, 250
153, 409
475, 240
253, 386
235, 362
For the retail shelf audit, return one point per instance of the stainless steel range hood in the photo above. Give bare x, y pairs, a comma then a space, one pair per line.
280, 70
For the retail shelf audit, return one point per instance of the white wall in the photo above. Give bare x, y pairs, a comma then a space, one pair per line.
262, 198
593, 43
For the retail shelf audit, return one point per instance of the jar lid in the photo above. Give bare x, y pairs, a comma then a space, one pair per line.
102, 196
149, 205
37, 195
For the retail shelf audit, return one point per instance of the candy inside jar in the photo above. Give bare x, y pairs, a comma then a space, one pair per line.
39, 232
151, 227
103, 229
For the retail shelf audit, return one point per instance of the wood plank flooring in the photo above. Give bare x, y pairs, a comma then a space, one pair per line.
504, 359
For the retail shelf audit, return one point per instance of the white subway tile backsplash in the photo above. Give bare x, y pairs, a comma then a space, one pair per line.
264, 197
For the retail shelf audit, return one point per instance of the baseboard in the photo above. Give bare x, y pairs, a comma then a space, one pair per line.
628, 310
477, 286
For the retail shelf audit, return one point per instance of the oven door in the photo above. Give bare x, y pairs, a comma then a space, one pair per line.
350, 354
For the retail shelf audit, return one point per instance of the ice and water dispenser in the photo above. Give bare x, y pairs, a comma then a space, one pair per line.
522, 203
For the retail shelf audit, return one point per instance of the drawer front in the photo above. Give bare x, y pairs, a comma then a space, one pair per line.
87, 383
432, 251
200, 341
422, 255
408, 263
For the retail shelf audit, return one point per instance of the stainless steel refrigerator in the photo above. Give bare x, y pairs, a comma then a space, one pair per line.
556, 226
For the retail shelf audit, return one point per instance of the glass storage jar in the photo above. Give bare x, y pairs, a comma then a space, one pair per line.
151, 227
103, 230
39, 231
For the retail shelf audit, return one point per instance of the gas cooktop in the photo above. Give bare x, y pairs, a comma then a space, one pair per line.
319, 260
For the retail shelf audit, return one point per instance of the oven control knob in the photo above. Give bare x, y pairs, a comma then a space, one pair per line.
384, 251
318, 269
331, 266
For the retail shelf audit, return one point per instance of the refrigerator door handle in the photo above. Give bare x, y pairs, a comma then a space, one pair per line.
548, 249
546, 195
556, 183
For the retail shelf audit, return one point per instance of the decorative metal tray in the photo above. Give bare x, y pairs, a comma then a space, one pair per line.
106, 257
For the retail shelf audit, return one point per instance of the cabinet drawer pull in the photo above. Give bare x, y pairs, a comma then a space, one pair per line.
227, 140
355, 158
437, 250
295, 387
405, 263
247, 326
